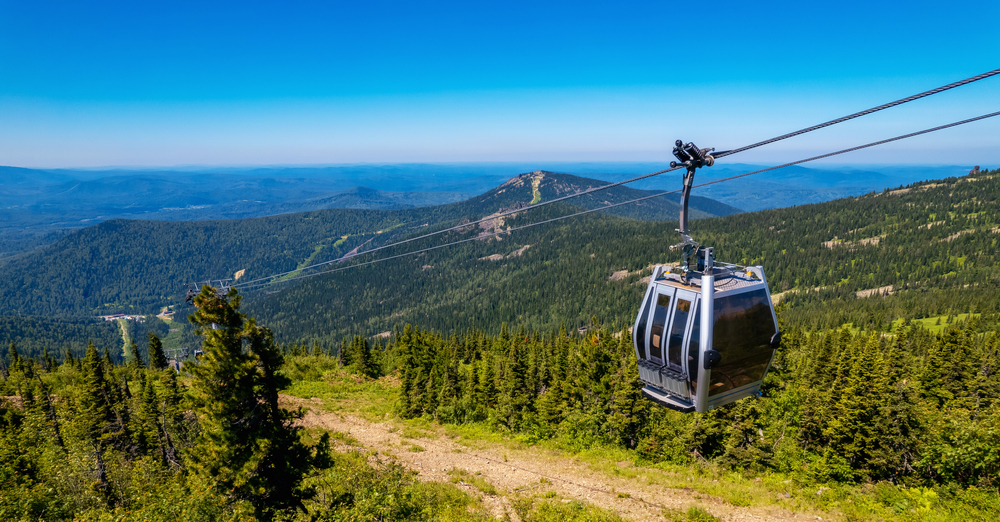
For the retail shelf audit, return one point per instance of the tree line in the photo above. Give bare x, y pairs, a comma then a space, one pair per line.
913, 408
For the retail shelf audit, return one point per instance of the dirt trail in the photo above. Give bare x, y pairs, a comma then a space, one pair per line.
522, 471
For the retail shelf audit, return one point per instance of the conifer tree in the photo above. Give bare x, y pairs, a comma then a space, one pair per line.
406, 372
157, 359
852, 430
361, 357
514, 401
344, 354
487, 392
94, 414
249, 447
149, 415
45, 400
628, 410
13, 358
985, 390
171, 418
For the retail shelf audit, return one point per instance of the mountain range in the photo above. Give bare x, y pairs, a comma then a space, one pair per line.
124, 265
37, 206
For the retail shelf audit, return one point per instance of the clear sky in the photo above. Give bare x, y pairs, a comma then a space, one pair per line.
248, 83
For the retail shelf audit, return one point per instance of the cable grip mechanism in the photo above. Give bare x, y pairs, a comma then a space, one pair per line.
689, 156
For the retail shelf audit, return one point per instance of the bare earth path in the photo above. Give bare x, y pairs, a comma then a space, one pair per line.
530, 471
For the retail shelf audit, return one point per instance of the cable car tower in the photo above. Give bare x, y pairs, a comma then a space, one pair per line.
706, 332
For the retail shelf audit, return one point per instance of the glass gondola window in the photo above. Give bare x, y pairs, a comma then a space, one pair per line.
676, 344
742, 336
659, 324
693, 354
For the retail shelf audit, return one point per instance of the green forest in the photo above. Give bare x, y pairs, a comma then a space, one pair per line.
917, 251
912, 416
137, 267
885, 392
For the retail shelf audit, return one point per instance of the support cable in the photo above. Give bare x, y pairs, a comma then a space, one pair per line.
250, 285
638, 178
924, 94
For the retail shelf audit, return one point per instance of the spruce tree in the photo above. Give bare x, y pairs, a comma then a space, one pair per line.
171, 418
13, 358
149, 425
157, 359
94, 415
406, 376
249, 447
514, 400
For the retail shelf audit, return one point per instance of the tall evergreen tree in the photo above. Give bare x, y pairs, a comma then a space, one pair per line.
249, 446
157, 359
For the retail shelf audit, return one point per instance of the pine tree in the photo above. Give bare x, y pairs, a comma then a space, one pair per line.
406, 372
249, 447
487, 392
344, 354
171, 419
514, 401
857, 414
985, 389
13, 358
361, 357
628, 410
897, 424
149, 421
94, 414
157, 359
45, 396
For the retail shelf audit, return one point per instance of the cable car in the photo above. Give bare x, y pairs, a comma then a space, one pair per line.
705, 335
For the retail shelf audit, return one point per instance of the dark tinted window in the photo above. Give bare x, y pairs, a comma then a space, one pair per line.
676, 344
659, 323
640, 332
742, 335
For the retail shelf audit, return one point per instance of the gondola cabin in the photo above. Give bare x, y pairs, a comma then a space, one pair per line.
706, 339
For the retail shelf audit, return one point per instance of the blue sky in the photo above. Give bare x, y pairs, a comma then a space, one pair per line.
143, 84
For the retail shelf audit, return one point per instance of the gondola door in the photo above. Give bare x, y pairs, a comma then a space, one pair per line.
680, 325
658, 323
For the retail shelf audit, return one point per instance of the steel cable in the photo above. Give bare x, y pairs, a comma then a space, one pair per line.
924, 94
638, 178
613, 205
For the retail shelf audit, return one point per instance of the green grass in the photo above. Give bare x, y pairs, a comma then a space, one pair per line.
938, 323
173, 339
460, 475
535, 193
541, 509
123, 326
375, 400
340, 390
693, 514
383, 231
306, 262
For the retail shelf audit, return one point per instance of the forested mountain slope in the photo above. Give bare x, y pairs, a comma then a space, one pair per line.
933, 246
139, 266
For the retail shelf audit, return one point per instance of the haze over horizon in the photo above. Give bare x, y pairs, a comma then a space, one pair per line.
378, 83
